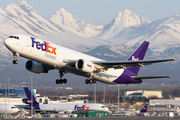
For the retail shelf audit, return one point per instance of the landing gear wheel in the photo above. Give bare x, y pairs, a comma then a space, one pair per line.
61, 81
15, 61
65, 81
15, 56
57, 81
86, 81
90, 81
94, 81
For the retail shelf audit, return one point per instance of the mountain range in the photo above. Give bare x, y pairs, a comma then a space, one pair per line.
114, 41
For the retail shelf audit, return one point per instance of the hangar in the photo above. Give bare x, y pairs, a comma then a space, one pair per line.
142, 93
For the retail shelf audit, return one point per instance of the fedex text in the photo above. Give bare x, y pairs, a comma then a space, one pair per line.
84, 107
45, 46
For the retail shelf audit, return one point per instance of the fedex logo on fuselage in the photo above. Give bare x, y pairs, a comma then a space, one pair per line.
84, 107
45, 46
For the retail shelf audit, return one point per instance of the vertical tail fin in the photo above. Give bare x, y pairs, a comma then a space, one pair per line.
144, 109
138, 55
30, 98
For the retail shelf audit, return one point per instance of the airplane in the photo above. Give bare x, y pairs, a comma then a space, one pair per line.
144, 109
128, 113
8, 108
60, 107
45, 56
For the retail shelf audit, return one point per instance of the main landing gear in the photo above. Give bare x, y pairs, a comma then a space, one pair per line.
61, 81
90, 81
15, 56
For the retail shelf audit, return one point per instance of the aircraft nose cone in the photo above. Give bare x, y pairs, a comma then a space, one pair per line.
7, 43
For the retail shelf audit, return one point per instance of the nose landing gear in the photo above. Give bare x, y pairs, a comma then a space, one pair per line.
15, 56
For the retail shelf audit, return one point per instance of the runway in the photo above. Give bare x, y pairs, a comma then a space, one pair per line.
129, 118
110, 118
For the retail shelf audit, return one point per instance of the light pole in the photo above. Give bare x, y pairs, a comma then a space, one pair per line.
94, 92
31, 95
5, 80
118, 98
8, 90
104, 93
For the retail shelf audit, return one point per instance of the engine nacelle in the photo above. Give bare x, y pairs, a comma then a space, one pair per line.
85, 66
35, 67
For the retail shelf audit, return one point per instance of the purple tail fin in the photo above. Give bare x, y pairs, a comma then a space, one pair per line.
30, 99
144, 109
138, 55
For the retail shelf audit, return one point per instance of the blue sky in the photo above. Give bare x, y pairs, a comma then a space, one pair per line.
101, 12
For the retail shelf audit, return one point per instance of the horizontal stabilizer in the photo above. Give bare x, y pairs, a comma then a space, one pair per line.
148, 77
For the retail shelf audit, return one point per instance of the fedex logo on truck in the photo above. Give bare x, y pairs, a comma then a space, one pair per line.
45, 46
84, 107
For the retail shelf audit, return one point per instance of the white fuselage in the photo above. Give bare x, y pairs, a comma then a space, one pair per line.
69, 107
55, 55
6, 108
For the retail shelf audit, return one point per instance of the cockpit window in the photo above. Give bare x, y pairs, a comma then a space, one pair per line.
13, 107
104, 106
14, 37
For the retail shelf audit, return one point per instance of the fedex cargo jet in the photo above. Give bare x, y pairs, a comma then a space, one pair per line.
60, 107
45, 56
144, 109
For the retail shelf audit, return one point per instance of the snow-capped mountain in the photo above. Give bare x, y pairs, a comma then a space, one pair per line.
126, 28
63, 18
162, 34
124, 20
123, 32
23, 18
113, 41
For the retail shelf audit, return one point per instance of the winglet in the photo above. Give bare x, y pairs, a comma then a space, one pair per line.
173, 59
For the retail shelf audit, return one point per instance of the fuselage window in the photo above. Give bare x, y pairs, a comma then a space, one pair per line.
14, 37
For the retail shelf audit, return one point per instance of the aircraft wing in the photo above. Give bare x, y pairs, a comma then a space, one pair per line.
128, 64
148, 77
119, 64
39, 110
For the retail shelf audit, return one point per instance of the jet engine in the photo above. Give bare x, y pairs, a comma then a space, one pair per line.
35, 67
85, 66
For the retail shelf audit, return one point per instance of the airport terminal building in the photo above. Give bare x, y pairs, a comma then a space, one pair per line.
159, 102
142, 93
14, 92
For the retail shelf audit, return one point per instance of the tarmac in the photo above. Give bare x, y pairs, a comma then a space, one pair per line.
109, 118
